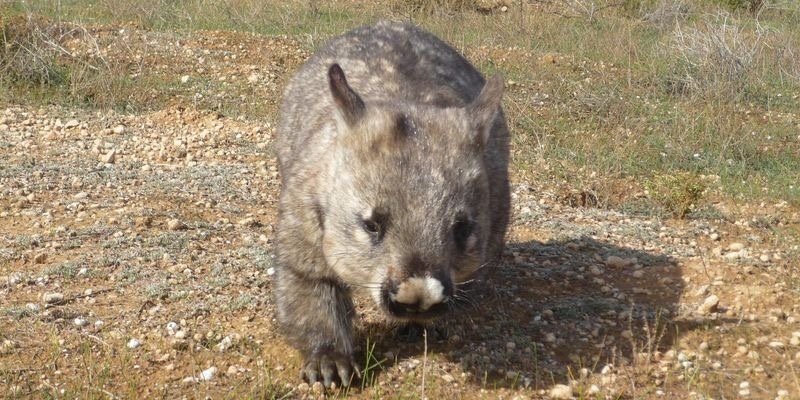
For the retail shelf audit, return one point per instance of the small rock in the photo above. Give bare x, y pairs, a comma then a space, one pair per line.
172, 327
619, 262
714, 236
119, 129
448, 378
249, 222
79, 322
185, 79
709, 305
735, 255
232, 370
207, 374
175, 225
109, 158
736, 246
225, 344
134, 343
561, 392
52, 298
776, 345
6, 346
71, 124
40, 258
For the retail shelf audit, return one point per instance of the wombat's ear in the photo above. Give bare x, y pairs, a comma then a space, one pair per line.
349, 104
485, 107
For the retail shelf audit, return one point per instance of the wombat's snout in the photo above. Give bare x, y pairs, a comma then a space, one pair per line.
418, 297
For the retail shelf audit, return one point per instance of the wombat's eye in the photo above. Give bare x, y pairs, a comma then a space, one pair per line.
371, 227
462, 229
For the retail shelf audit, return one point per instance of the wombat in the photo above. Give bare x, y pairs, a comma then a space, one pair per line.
393, 155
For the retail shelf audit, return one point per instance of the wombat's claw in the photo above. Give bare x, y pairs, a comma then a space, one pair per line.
327, 366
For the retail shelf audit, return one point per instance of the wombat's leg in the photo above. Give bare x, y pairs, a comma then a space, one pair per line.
317, 317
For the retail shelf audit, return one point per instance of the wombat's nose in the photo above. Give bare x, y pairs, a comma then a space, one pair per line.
419, 294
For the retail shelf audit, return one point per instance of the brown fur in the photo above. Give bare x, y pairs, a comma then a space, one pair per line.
393, 154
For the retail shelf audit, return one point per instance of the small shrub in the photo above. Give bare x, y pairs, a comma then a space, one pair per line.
677, 193
716, 56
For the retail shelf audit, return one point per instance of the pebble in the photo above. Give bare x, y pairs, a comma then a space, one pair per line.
185, 79
249, 222
175, 225
134, 343
714, 236
232, 370
448, 378
6, 346
40, 258
736, 246
71, 123
619, 262
119, 129
79, 322
225, 344
709, 305
109, 158
52, 298
208, 374
561, 392
172, 327
776, 345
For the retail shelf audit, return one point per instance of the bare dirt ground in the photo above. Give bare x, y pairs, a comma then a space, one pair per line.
135, 261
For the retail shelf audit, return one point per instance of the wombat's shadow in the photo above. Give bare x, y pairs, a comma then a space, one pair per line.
549, 310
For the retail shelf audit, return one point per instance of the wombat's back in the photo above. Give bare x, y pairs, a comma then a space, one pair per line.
388, 61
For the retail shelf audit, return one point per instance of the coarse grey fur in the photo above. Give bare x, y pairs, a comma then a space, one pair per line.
394, 182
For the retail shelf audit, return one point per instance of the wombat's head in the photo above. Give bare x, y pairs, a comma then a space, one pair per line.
405, 208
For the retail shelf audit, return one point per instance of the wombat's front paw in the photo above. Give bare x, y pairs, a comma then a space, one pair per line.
328, 366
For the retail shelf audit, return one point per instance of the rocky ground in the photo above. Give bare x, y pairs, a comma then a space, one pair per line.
135, 260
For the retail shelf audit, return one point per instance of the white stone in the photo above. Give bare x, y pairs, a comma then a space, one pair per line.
51, 298
207, 374
561, 392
